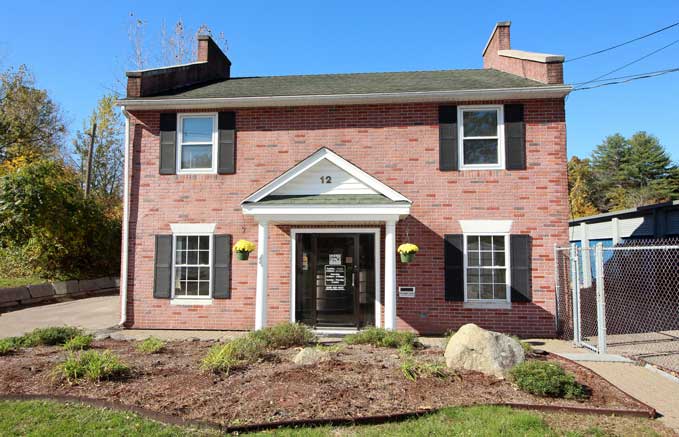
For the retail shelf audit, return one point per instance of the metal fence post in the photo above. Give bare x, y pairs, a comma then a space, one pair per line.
557, 319
600, 298
575, 288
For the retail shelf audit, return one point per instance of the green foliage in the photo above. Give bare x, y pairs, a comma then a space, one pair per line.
234, 354
59, 233
622, 173
413, 369
79, 343
31, 124
107, 159
92, 366
7, 346
151, 345
382, 338
546, 379
284, 335
52, 336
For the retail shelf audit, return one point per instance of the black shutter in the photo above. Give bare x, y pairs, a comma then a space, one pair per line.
221, 277
453, 256
515, 138
448, 138
520, 260
226, 154
168, 143
162, 278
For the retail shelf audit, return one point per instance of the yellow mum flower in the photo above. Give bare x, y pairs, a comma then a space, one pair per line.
243, 246
408, 248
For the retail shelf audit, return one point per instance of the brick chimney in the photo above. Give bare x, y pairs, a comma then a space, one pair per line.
212, 65
499, 55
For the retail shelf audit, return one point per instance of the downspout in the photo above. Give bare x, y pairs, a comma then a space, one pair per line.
126, 220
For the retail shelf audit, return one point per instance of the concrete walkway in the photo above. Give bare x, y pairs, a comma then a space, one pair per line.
92, 314
656, 390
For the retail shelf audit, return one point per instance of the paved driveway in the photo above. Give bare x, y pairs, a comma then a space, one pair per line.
91, 314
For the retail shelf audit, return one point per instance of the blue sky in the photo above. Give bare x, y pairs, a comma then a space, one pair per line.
78, 49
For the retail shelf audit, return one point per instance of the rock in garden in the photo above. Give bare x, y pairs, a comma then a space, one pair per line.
309, 355
488, 352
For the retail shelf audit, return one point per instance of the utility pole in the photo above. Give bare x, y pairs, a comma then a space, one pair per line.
88, 177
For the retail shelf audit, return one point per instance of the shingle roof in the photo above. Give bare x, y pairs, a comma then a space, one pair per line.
330, 199
355, 83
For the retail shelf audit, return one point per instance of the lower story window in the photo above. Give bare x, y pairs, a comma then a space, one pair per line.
486, 267
192, 262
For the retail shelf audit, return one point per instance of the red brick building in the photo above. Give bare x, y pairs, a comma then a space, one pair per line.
328, 175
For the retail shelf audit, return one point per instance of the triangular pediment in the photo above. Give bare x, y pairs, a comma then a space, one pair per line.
324, 173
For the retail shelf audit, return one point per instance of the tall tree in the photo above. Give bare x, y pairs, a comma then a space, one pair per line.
31, 123
608, 160
107, 159
580, 183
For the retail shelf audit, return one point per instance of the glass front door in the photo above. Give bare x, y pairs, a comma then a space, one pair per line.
335, 282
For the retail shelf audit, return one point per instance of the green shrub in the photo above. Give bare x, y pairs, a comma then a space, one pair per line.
7, 346
236, 353
413, 369
151, 345
52, 336
527, 348
284, 335
92, 366
79, 343
546, 379
382, 338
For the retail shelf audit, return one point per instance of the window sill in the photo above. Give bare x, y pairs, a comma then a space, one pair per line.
492, 305
190, 301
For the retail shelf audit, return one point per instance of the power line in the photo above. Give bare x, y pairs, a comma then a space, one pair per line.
622, 44
633, 62
667, 70
630, 79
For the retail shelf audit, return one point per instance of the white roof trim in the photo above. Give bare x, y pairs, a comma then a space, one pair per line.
314, 159
326, 214
554, 91
531, 56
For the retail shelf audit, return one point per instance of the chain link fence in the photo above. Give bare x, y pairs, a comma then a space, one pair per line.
622, 300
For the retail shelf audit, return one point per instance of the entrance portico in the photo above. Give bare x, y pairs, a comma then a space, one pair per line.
326, 190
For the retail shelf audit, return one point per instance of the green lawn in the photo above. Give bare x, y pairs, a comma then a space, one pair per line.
40, 418
18, 282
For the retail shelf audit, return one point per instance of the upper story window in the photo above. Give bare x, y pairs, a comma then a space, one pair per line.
196, 143
480, 136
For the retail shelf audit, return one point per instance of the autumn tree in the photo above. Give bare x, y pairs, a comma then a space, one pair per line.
107, 159
580, 182
31, 123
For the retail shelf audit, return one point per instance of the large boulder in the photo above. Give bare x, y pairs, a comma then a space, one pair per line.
310, 355
474, 348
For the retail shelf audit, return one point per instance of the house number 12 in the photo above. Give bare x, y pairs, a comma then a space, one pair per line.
326, 179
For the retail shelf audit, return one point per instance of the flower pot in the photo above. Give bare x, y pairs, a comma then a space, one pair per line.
242, 256
407, 257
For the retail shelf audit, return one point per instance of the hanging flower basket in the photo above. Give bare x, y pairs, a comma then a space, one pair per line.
407, 252
242, 249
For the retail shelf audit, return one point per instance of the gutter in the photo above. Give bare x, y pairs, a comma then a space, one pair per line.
552, 91
126, 220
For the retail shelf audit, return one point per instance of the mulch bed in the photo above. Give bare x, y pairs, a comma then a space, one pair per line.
355, 382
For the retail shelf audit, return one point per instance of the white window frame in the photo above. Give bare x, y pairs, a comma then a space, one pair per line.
501, 303
180, 142
500, 165
183, 300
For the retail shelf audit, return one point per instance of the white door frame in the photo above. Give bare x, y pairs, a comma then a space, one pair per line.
293, 273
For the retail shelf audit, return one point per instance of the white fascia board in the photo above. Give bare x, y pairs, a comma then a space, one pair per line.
316, 211
554, 91
335, 159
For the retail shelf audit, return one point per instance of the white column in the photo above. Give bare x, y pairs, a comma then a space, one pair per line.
262, 274
390, 276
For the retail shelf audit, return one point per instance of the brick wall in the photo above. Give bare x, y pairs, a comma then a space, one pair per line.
397, 144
